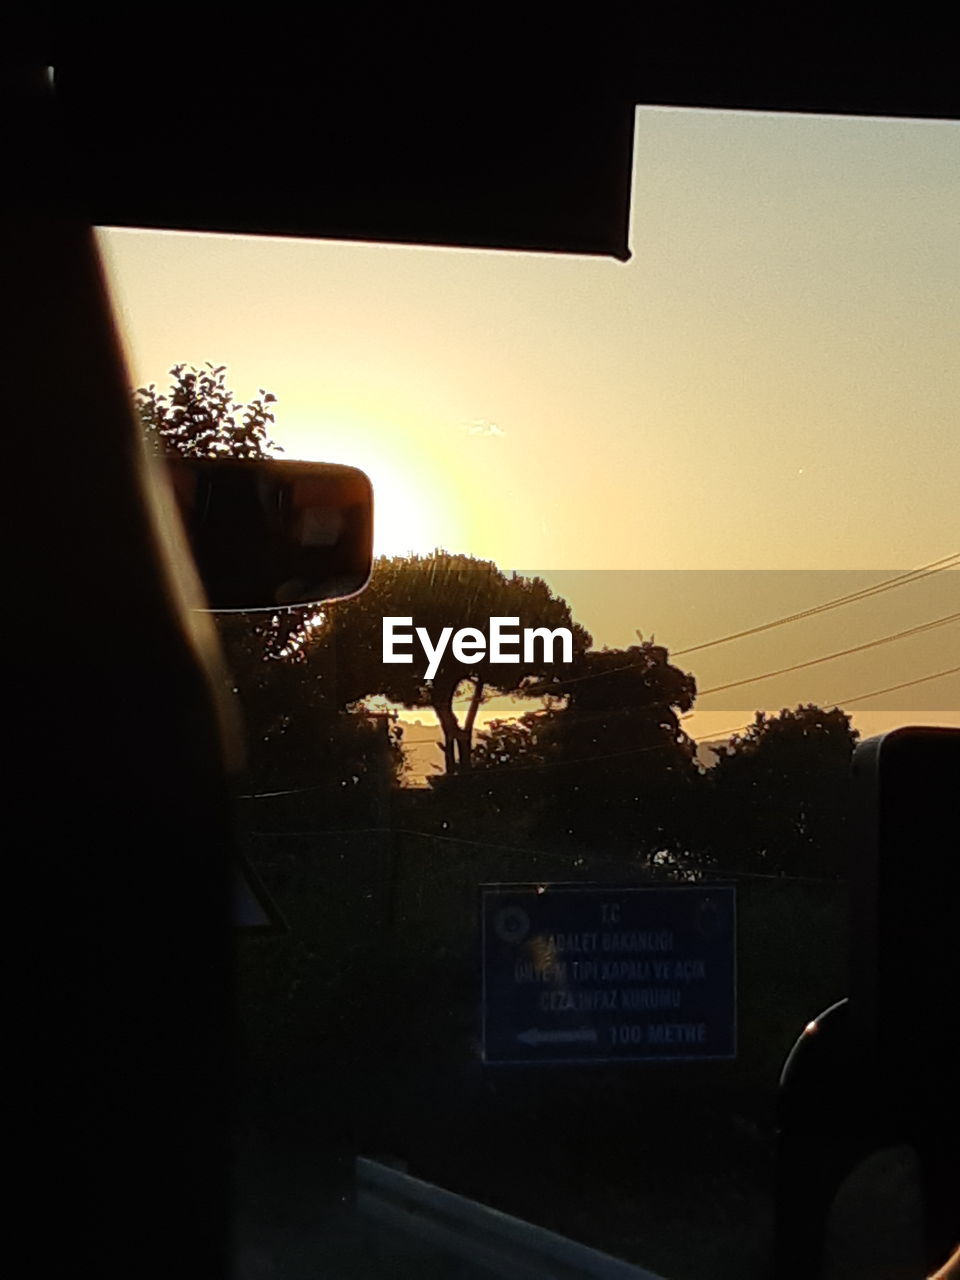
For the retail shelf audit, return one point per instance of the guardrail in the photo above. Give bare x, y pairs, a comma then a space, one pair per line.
488, 1241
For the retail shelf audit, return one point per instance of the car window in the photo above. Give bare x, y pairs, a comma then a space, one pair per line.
554, 924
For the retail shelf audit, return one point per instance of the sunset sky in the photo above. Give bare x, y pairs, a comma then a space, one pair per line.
770, 385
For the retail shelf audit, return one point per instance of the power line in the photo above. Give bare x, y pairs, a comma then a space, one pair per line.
841, 653
551, 853
903, 579
812, 662
719, 734
840, 703
544, 853
913, 575
629, 751
843, 702
726, 733
498, 769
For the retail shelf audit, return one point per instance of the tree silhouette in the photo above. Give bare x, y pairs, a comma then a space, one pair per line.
298, 734
780, 794
199, 419
437, 591
612, 756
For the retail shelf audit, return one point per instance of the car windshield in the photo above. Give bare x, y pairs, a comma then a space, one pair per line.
554, 908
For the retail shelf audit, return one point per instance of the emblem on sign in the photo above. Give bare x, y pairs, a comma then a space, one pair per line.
511, 924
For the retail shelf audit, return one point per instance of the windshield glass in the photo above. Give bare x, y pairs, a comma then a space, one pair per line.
555, 913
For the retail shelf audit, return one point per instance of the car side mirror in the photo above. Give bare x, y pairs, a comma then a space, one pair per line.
267, 534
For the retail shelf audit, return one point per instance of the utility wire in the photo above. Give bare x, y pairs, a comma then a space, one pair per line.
631, 751
543, 853
519, 768
628, 751
913, 575
843, 702
841, 653
903, 579
860, 697
552, 853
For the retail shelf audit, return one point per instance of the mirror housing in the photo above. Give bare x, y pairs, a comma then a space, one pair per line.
269, 534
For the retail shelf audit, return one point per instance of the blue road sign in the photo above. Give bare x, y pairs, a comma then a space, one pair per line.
575, 973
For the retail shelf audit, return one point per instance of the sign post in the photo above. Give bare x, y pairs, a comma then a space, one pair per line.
579, 974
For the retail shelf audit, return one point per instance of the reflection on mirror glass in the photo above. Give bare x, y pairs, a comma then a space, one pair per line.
553, 926
267, 533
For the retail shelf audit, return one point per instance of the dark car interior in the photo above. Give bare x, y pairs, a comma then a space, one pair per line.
123, 836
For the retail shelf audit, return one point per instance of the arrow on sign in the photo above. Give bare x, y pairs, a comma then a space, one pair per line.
253, 907
585, 1035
